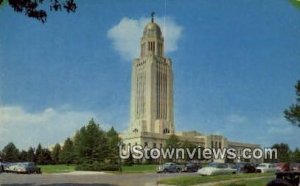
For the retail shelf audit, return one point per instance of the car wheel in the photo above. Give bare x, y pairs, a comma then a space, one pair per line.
178, 170
165, 171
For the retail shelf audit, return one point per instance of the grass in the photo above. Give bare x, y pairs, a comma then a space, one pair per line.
254, 182
139, 168
70, 168
192, 180
57, 168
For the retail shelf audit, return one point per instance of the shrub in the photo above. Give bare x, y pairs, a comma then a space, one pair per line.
97, 166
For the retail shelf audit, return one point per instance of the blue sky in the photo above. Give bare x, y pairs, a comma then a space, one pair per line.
235, 65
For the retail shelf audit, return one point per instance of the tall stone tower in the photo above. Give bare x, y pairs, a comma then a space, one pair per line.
152, 85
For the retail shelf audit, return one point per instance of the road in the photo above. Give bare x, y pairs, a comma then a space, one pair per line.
85, 178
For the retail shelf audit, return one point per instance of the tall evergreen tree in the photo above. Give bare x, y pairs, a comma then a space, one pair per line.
55, 153
31, 155
113, 145
10, 153
292, 114
283, 152
67, 152
90, 143
23, 156
39, 154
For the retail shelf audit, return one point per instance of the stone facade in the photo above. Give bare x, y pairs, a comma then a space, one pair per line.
151, 114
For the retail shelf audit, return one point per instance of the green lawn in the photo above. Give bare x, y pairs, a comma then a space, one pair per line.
57, 168
139, 168
192, 180
254, 182
70, 168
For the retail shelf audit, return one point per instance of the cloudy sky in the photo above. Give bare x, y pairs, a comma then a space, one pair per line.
235, 65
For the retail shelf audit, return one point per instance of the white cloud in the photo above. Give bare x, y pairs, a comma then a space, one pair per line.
47, 127
127, 33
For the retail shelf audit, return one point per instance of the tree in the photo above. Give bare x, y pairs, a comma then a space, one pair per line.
292, 114
283, 152
55, 153
172, 143
39, 154
23, 156
67, 152
10, 153
31, 7
296, 156
113, 145
192, 147
295, 3
43, 155
31, 155
91, 144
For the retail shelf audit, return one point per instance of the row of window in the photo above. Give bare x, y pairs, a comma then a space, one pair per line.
161, 94
216, 144
140, 95
152, 48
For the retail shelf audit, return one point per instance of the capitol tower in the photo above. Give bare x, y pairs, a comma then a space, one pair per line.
152, 85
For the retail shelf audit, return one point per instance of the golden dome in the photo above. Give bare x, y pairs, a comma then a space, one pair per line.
152, 29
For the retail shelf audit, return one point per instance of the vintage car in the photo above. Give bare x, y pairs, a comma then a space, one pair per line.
245, 167
22, 167
169, 167
265, 167
217, 169
192, 166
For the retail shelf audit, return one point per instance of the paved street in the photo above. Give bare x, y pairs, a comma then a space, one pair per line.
85, 178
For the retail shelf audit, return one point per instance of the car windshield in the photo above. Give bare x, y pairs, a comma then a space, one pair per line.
218, 165
262, 165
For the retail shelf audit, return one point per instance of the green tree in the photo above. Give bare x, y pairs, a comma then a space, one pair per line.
296, 155
292, 114
46, 156
39, 154
23, 156
295, 3
31, 8
43, 155
283, 152
192, 147
91, 144
172, 143
31, 155
113, 145
67, 152
10, 153
55, 153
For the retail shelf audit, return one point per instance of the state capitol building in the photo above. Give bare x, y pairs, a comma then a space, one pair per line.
151, 107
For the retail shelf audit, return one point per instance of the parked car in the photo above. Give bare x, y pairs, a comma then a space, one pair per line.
192, 166
1, 167
22, 167
169, 167
282, 167
245, 167
217, 169
295, 167
265, 167
29, 168
288, 178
